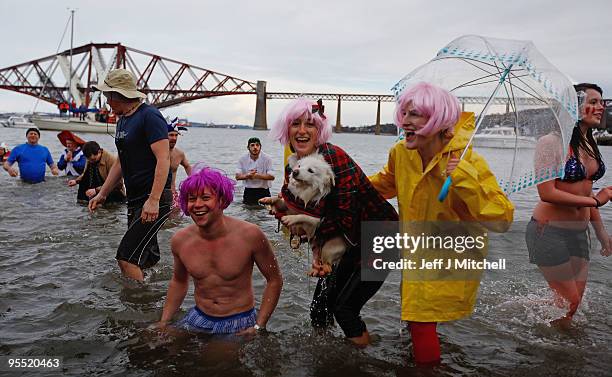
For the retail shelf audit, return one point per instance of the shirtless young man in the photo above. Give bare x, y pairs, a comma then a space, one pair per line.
177, 156
218, 252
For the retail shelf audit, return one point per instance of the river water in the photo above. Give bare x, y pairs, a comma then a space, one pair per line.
61, 293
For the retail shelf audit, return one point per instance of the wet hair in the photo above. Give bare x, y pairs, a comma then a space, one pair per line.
440, 106
293, 111
205, 177
585, 85
585, 142
90, 148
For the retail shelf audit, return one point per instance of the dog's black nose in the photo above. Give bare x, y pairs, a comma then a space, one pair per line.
295, 173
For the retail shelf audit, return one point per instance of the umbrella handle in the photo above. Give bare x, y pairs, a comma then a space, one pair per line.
444, 190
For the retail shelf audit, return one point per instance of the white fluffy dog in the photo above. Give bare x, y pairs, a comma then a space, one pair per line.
311, 180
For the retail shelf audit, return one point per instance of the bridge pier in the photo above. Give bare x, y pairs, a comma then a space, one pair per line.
377, 128
261, 122
338, 116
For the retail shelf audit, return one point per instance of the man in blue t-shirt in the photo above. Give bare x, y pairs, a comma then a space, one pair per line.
32, 158
144, 161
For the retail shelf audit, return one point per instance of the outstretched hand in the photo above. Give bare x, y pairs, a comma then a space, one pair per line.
276, 205
95, 202
604, 195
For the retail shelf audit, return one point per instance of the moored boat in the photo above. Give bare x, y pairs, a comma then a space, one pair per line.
74, 125
603, 137
18, 122
502, 137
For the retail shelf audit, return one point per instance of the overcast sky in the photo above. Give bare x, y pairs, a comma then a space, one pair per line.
307, 46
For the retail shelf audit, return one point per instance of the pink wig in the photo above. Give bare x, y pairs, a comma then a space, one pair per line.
206, 177
293, 111
441, 107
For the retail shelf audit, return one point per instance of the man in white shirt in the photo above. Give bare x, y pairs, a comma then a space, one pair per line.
254, 169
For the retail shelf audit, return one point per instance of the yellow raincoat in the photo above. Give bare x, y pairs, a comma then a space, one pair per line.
473, 196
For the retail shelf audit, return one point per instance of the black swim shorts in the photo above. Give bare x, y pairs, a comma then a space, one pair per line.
551, 246
139, 244
252, 195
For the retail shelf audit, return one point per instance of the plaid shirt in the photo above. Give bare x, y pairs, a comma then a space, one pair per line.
353, 199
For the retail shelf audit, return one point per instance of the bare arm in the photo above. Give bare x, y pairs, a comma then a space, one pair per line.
8, 167
600, 230
177, 289
268, 266
186, 165
551, 194
161, 150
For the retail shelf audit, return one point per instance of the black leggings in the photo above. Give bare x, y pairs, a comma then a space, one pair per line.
342, 294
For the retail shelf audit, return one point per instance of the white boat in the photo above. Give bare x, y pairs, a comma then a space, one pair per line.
603, 137
70, 123
74, 125
18, 122
502, 137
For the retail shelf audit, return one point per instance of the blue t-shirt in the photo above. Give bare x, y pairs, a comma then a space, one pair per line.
133, 139
31, 160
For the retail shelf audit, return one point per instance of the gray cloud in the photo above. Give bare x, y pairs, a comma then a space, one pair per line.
328, 46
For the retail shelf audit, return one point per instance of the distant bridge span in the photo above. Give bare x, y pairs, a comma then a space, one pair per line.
339, 97
166, 82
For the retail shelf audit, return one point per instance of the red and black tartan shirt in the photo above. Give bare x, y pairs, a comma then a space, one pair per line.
353, 199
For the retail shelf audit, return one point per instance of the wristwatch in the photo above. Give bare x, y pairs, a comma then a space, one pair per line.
258, 328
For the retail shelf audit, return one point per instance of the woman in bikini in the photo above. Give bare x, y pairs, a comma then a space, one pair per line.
557, 235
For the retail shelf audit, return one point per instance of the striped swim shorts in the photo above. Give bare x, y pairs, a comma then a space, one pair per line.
197, 320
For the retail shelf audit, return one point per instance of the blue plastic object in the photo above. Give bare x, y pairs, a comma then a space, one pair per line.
445, 187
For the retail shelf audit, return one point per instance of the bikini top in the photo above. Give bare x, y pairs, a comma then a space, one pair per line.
575, 170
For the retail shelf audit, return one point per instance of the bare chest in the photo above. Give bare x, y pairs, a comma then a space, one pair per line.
217, 260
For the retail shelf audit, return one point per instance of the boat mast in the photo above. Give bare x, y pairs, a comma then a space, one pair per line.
71, 45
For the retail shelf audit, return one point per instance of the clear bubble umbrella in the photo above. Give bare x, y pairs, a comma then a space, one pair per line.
525, 108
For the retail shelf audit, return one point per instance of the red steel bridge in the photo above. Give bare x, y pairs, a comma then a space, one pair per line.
70, 74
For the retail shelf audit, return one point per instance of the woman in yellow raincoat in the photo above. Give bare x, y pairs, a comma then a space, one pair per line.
436, 132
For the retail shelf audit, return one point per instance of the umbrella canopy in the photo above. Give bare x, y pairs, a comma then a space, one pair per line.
525, 107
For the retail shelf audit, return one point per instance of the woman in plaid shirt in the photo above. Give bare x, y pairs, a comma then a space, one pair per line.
353, 199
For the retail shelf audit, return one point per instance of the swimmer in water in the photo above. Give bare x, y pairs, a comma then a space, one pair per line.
218, 252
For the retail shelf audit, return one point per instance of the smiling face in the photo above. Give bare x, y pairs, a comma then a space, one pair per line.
413, 121
203, 207
303, 134
32, 137
593, 109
